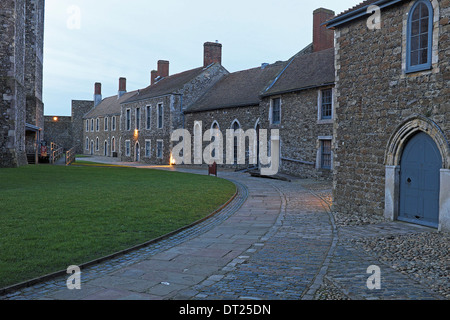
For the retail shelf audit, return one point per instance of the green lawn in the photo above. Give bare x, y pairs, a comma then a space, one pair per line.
52, 217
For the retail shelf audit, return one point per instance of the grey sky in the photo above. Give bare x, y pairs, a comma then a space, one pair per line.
99, 41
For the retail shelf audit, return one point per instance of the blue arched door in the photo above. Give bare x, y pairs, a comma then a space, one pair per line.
420, 181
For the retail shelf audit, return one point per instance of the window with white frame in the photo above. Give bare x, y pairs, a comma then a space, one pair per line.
159, 149
275, 111
106, 123
148, 149
87, 144
127, 148
97, 147
160, 116
92, 125
105, 149
113, 123
148, 121
326, 104
138, 119
97, 124
325, 154
87, 125
113, 144
128, 119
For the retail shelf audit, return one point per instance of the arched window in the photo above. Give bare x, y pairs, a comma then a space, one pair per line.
113, 144
419, 37
216, 128
235, 126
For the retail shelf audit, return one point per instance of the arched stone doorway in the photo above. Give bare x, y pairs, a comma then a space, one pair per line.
420, 166
404, 159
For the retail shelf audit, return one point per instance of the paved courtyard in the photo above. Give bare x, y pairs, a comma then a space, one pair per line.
277, 240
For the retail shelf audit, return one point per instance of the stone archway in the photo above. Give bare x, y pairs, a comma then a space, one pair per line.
394, 150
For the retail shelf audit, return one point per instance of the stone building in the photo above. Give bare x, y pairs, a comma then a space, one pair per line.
392, 111
232, 103
293, 96
21, 65
101, 124
151, 114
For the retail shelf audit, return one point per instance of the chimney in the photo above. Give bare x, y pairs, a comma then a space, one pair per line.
122, 87
153, 76
323, 38
97, 94
212, 53
163, 68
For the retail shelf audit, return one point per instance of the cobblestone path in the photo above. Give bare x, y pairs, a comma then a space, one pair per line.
276, 240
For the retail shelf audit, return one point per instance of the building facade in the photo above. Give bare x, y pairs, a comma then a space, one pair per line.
392, 111
21, 66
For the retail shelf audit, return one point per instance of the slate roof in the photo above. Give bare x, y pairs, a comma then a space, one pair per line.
165, 86
238, 89
109, 106
305, 71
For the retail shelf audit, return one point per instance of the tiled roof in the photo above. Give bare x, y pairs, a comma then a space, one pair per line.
166, 85
359, 11
358, 6
109, 106
238, 89
305, 71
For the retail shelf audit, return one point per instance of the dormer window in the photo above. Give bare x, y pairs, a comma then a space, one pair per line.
419, 37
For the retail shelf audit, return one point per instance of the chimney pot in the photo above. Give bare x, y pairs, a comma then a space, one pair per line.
323, 38
153, 76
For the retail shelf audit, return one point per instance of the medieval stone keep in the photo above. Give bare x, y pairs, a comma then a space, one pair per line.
21, 56
392, 111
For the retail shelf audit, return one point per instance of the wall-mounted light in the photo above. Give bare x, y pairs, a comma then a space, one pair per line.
136, 133
172, 160
55, 119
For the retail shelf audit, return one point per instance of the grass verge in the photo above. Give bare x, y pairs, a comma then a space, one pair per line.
52, 217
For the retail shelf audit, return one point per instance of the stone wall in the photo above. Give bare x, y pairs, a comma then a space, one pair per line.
59, 130
375, 96
300, 133
12, 84
79, 109
247, 117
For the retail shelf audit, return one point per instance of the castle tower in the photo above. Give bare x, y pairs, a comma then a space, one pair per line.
21, 107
